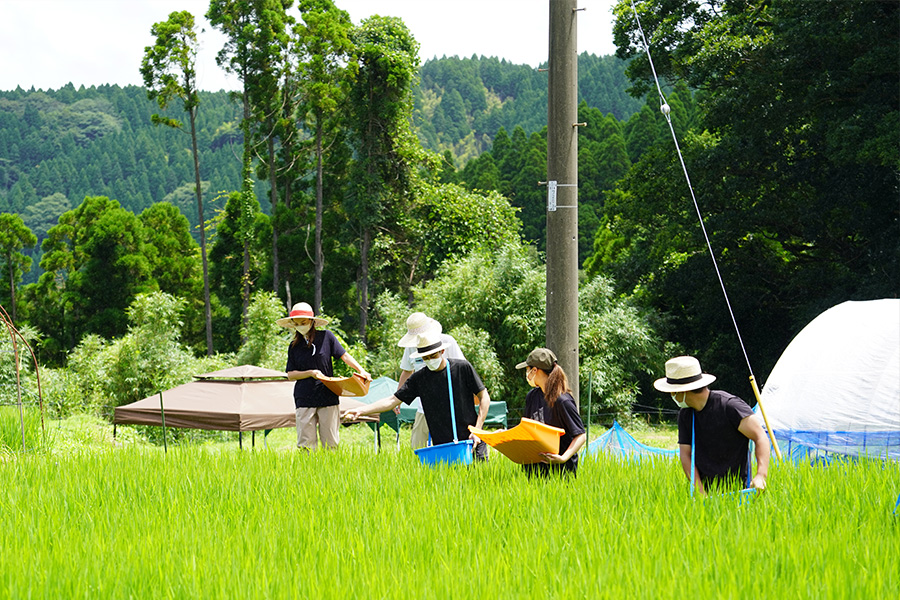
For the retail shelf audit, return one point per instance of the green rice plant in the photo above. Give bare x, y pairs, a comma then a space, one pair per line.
201, 522
11, 430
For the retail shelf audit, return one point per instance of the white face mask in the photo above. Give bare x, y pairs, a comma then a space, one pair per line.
434, 364
529, 377
681, 404
303, 329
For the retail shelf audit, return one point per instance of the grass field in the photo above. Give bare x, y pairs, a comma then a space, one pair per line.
211, 521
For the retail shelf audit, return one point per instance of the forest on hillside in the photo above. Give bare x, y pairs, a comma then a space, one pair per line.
346, 173
60, 146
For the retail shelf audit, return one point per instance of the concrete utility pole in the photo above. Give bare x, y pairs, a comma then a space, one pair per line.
562, 189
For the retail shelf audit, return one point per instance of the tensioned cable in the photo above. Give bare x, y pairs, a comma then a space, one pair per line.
664, 109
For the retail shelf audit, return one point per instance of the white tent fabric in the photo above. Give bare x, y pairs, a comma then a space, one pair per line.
836, 388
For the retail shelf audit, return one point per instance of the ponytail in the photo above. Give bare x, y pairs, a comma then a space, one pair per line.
557, 384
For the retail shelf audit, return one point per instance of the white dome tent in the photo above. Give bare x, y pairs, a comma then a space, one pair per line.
836, 388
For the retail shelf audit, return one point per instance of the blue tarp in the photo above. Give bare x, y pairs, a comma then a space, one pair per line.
379, 389
618, 442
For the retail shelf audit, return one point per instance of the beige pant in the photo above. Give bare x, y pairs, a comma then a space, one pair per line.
327, 418
419, 437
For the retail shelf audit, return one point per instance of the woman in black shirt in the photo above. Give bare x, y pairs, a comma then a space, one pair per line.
551, 403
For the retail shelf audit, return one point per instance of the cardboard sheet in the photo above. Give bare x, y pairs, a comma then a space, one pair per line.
525, 442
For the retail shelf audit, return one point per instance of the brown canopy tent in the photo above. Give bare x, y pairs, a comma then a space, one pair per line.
244, 398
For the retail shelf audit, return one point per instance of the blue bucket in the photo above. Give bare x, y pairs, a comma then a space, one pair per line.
450, 453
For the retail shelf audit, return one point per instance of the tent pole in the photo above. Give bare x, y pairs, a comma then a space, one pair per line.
765, 418
240, 440
162, 414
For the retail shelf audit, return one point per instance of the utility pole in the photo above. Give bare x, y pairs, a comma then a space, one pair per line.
562, 189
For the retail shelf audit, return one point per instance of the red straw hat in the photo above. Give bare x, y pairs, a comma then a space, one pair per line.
301, 310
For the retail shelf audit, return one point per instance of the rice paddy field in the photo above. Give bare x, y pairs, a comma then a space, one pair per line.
213, 521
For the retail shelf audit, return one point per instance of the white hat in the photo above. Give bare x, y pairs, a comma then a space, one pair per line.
428, 343
683, 374
301, 310
416, 324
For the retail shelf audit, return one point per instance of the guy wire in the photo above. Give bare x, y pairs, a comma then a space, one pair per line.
664, 108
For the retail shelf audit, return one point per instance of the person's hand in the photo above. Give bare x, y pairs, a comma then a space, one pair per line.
316, 374
475, 441
348, 416
758, 482
397, 410
550, 458
365, 375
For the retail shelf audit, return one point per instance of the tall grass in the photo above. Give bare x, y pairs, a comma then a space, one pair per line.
11, 430
138, 523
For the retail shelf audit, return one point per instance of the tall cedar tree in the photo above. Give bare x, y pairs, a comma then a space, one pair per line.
381, 102
326, 68
169, 72
255, 40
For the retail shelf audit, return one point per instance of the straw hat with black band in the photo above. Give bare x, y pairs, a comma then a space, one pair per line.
429, 343
683, 374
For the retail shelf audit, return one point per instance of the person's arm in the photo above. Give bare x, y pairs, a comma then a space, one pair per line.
351, 362
751, 428
684, 453
404, 375
370, 409
292, 375
571, 451
485, 402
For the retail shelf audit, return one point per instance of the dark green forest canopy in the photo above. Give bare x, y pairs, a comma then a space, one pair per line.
794, 157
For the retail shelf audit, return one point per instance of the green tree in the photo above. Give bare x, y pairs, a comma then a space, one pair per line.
452, 222
255, 41
326, 68
170, 249
14, 236
265, 342
796, 175
236, 265
94, 265
386, 147
169, 72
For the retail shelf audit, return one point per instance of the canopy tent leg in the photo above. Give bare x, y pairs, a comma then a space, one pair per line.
240, 440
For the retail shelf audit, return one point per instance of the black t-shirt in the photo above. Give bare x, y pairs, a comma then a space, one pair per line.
311, 392
432, 387
721, 452
563, 414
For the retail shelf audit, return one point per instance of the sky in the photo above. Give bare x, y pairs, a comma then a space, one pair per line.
46, 44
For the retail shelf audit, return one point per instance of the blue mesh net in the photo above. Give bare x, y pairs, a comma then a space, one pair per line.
821, 446
618, 442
